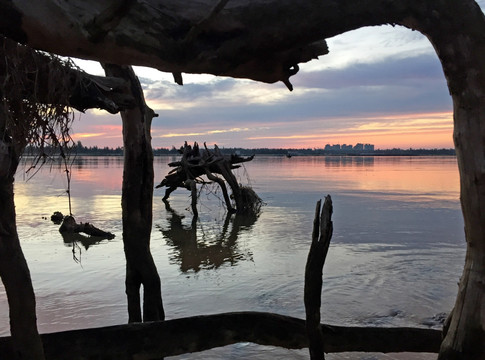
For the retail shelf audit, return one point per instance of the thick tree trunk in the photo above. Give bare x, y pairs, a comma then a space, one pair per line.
137, 197
14, 271
457, 35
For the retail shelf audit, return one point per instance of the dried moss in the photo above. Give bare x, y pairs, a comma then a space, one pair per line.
34, 95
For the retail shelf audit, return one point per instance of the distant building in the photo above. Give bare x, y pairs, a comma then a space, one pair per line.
359, 147
349, 149
332, 147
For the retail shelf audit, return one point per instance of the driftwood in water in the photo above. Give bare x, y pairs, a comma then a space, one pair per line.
196, 163
154, 340
321, 236
69, 225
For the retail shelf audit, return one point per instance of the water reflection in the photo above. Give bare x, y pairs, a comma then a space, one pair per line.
196, 248
337, 161
74, 239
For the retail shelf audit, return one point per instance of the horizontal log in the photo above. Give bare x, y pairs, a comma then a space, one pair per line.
153, 340
69, 225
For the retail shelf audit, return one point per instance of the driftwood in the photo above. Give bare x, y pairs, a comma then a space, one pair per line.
321, 236
180, 336
69, 225
196, 163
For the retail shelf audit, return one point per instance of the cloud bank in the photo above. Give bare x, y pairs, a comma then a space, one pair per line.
382, 85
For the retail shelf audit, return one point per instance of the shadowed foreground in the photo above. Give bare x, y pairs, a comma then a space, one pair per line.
153, 340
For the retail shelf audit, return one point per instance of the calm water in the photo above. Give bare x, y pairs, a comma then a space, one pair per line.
395, 258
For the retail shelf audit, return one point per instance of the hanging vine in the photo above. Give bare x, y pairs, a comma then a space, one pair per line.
34, 95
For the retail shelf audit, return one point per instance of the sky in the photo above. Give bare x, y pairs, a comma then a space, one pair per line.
379, 85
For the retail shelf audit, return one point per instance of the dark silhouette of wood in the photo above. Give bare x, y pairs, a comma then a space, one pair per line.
321, 236
196, 163
175, 37
69, 225
193, 334
15, 274
136, 203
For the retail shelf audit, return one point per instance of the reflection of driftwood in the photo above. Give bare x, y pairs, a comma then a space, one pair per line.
196, 163
69, 225
154, 340
76, 238
322, 233
194, 255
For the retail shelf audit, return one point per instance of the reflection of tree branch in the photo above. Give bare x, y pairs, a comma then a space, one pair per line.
194, 254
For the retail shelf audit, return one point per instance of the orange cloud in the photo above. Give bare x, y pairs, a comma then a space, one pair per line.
88, 135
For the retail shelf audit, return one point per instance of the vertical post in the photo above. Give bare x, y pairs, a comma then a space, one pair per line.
321, 236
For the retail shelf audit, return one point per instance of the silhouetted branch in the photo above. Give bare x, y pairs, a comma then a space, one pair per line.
180, 336
321, 236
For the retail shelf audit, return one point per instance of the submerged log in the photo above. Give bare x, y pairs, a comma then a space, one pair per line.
193, 334
69, 225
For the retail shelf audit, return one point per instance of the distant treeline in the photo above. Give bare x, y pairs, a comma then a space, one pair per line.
80, 149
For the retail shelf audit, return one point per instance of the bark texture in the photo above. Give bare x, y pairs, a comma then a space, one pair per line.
180, 336
136, 202
460, 44
237, 39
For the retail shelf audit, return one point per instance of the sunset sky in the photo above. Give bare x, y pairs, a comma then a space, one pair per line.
380, 85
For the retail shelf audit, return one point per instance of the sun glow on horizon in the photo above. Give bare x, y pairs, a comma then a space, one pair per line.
423, 130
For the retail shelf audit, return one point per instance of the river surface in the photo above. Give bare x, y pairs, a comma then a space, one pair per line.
395, 259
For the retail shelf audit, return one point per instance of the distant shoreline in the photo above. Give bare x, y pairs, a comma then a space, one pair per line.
96, 151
